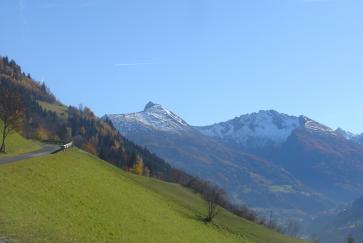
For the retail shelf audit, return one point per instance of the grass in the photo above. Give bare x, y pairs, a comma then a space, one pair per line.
16, 144
61, 110
224, 220
75, 197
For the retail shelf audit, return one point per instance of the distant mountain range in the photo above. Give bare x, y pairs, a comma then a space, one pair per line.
256, 130
326, 160
267, 128
269, 160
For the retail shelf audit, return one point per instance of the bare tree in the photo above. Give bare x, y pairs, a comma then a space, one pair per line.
11, 113
214, 196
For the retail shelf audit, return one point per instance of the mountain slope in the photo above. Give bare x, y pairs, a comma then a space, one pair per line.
154, 117
73, 196
345, 223
47, 119
328, 161
358, 139
265, 128
261, 130
248, 178
348, 135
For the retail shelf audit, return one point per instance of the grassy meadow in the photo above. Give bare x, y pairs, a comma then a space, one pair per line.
75, 197
16, 144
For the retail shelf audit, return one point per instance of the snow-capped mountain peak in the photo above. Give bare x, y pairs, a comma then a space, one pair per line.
254, 130
164, 116
266, 127
263, 128
154, 116
314, 126
149, 105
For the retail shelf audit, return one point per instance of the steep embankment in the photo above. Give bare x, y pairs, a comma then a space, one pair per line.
73, 196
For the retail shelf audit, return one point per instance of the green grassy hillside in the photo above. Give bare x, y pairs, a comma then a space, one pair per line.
75, 197
16, 144
60, 110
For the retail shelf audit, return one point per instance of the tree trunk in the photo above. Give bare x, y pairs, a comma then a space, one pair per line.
3, 145
210, 214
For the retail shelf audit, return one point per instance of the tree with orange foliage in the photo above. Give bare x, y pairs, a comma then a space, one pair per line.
41, 133
138, 167
90, 148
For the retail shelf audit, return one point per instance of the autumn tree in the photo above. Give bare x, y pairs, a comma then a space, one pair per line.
138, 167
214, 196
11, 113
90, 148
41, 133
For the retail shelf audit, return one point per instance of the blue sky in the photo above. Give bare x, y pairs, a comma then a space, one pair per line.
207, 60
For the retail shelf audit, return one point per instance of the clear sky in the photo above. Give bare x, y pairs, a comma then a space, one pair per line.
207, 60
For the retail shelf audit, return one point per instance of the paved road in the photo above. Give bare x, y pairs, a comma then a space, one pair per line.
45, 150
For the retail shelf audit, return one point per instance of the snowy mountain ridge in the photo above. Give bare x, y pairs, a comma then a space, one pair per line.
154, 117
314, 126
263, 128
254, 130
